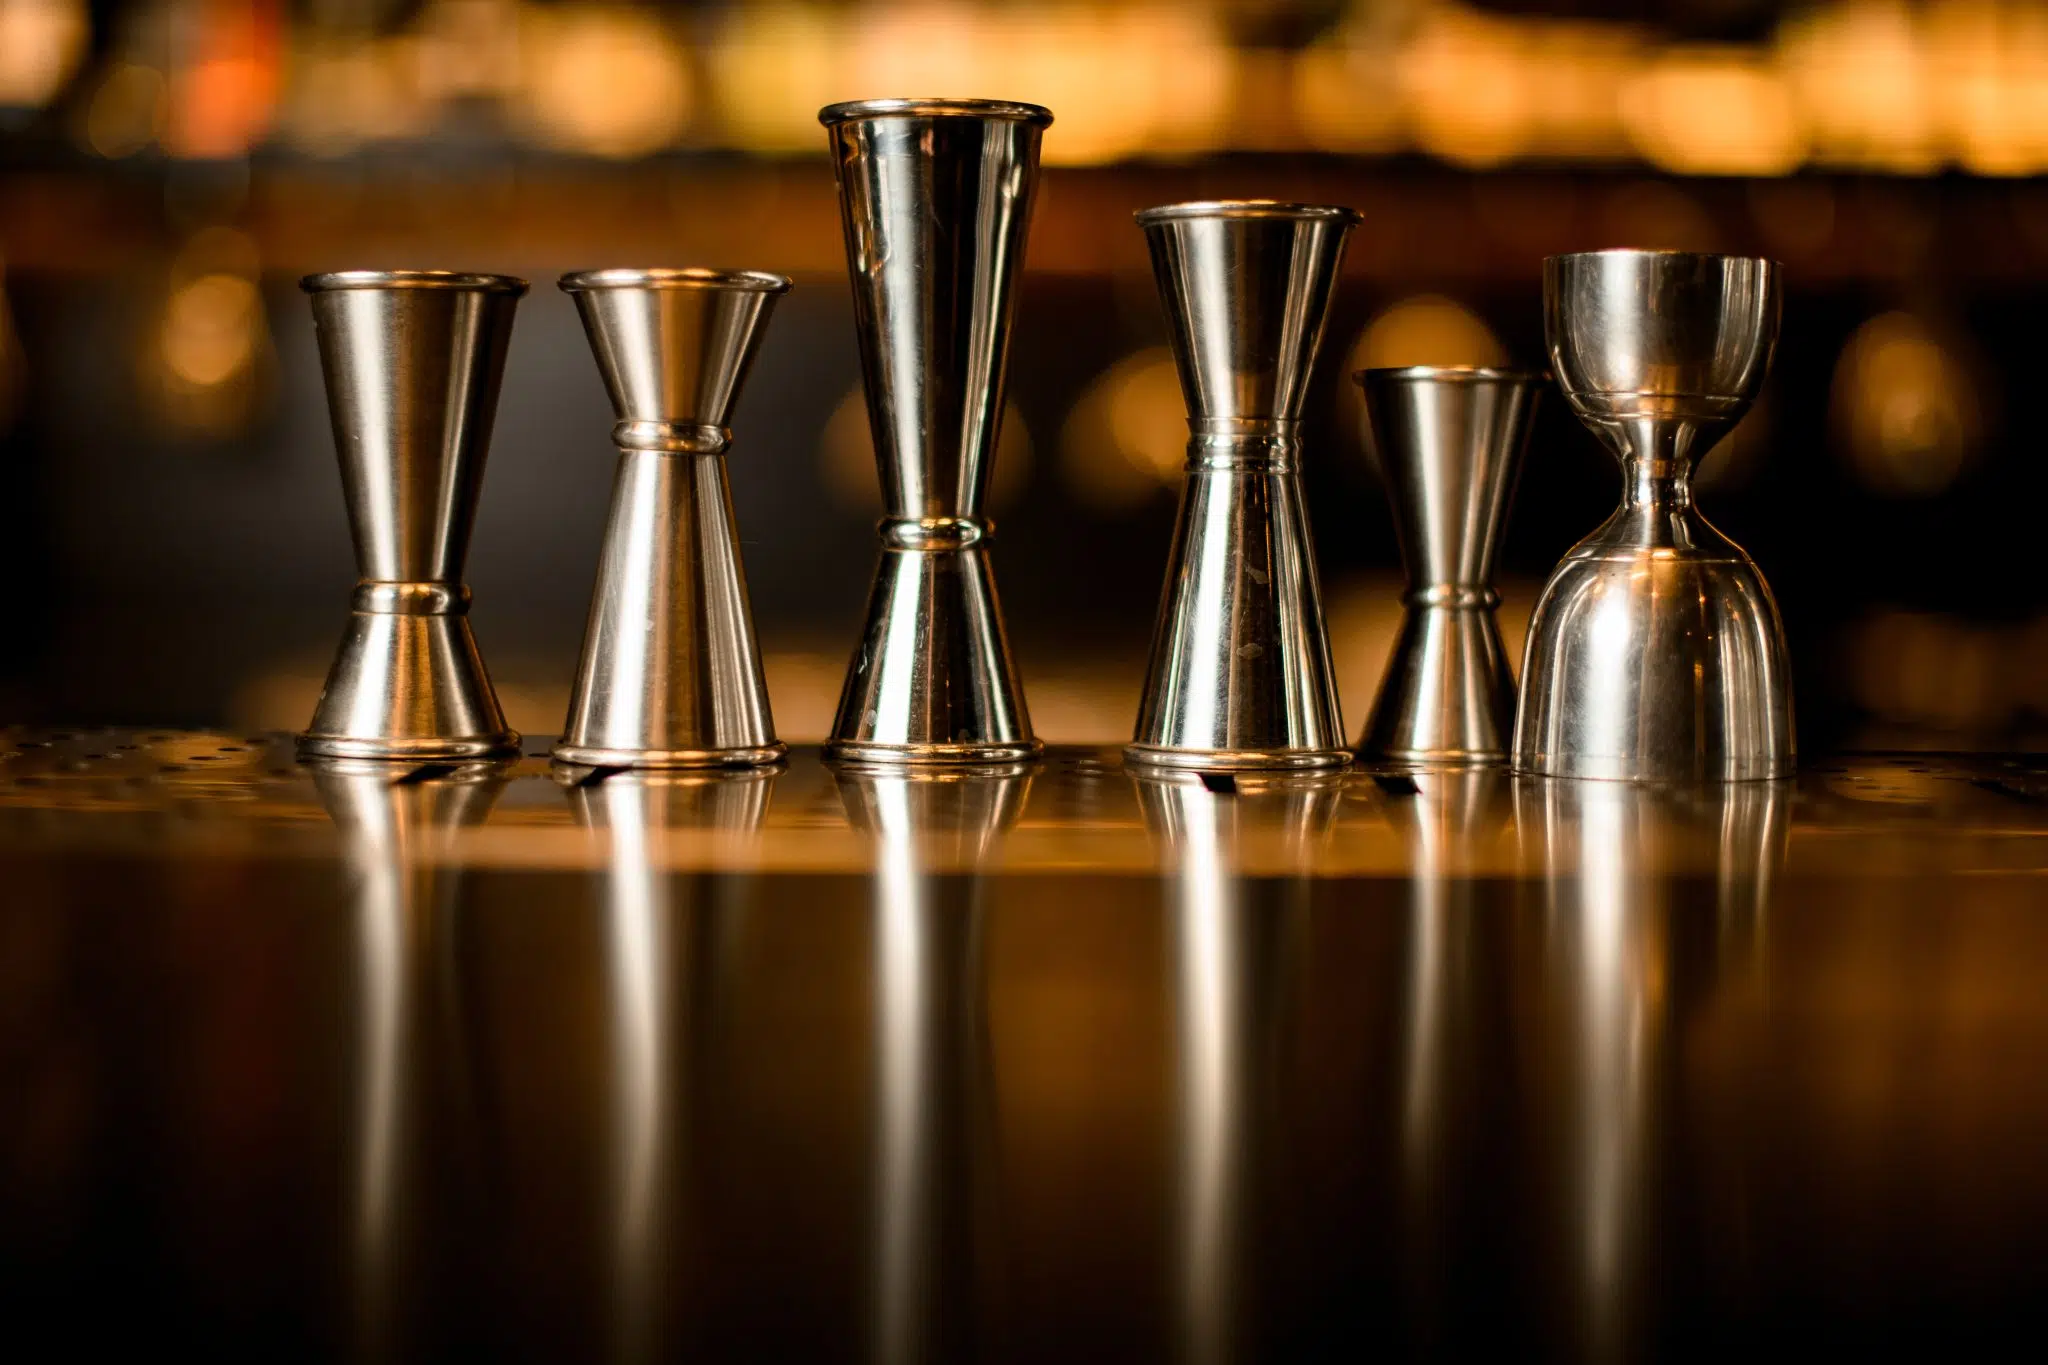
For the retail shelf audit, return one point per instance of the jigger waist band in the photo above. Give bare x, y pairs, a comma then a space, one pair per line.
935, 533
1457, 596
672, 438
410, 599
1261, 444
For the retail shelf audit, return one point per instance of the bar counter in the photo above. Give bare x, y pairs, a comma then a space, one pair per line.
1055, 1062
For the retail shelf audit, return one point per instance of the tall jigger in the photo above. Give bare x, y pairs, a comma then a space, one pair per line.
935, 196
671, 675
412, 360
1449, 444
1655, 652
1240, 674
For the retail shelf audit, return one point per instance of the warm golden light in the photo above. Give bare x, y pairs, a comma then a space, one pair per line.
1127, 437
126, 112
1905, 407
41, 42
1714, 111
607, 82
1427, 329
201, 374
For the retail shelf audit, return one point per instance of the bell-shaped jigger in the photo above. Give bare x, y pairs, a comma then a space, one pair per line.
412, 360
1449, 444
671, 674
1240, 672
1655, 651
935, 196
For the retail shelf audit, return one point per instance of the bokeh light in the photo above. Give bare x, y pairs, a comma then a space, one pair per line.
41, 43
1906, 407
1427, 329
205, 371
1127, 437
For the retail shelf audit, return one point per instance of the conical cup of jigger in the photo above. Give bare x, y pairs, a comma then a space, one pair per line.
412, 361
1240, 673
671, 674
1655, 651
935, 199
1449, 445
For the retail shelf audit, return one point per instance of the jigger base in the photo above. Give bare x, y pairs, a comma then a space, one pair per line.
1234, 760
408, 684
588, 756
860, 754
502, 745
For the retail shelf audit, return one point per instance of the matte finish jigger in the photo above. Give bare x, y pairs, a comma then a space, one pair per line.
1655, 651
1240, 672
671, 675
1449, 444
412, 360
935, 196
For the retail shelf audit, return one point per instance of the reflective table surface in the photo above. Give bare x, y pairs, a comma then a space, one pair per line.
447, 1061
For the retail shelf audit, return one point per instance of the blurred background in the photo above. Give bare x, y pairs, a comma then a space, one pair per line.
178, 553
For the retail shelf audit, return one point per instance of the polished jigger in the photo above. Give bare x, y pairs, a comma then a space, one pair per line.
412, 360
1240, 674
671, 675
935, 197
1655, 651
1449, 445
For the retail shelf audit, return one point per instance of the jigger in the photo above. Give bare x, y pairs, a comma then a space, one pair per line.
671, 675
1449, 444
935, 197
1240, 673
412, 360
1655, 651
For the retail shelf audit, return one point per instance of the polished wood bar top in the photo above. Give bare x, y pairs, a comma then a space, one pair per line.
428, 1061
155, 792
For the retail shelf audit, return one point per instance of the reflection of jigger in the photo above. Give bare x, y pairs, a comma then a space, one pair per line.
1615, 859
644, 907
398, 834
931, 1041
1449, 444
935, 197
1222, 945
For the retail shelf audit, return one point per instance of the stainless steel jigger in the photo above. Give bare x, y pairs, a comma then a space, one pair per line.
1240, 673
1655, 651
1449, 445
412, 360
936, 197
671, 675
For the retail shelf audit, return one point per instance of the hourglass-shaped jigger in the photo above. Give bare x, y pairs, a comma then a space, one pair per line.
935, 198
1449, 445
671, 675
412, 360
1655, 651
1240, 672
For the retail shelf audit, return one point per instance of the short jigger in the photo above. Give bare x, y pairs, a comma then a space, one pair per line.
1240, 673
671, 675
412, 360
1449, 444
935, 196
1655, 651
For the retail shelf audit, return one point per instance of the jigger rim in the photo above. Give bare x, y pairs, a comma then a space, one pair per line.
673, 277
1662, 251
412, 279
1247, 208
1447, 374
1008, 111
